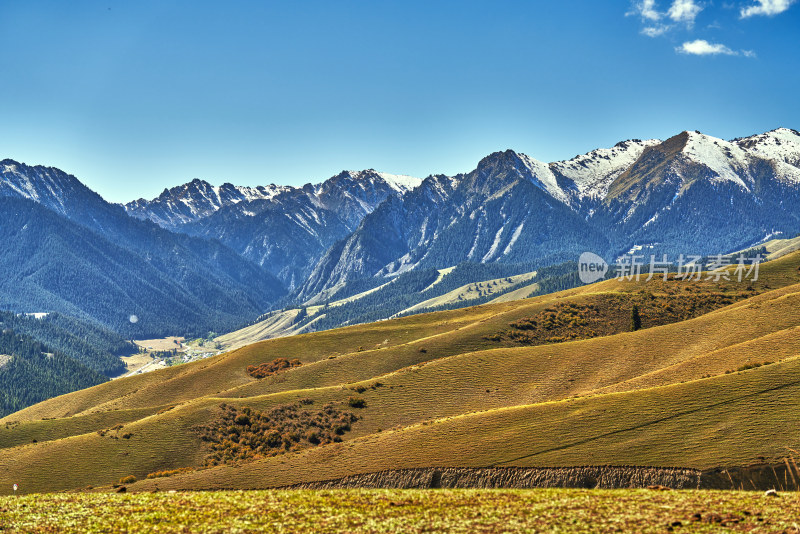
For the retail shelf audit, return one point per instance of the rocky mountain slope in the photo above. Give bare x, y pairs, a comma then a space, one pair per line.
68, 250
691, 194
283, 229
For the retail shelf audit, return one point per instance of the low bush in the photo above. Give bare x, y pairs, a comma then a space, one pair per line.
240, 434
356, 402
169, 472
275, 366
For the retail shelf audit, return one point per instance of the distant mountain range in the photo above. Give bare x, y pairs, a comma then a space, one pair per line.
283, 229
65, 249
201, 257
689, 194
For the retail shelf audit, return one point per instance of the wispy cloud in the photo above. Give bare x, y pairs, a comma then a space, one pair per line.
684, 11
656, 30
646, 9
661, 17
701, 47
766, 7
658, 22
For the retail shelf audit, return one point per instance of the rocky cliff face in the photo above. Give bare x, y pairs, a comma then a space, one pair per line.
755, 477
519, 477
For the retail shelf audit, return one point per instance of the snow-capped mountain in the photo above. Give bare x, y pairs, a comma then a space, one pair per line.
48, 186
588, 176
692, 193
781, 147
198, 199
194, 200
509, 209
66, 249
698, 191
283, 229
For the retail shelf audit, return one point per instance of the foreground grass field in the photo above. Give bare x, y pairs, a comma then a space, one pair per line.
551, 510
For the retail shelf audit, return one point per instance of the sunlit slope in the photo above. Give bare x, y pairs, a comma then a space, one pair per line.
358, 352
286, 323
432, 367
473, 291
781, 247
722, 421
215, 375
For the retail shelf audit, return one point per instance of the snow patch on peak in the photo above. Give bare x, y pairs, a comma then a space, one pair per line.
594, 172
781, 144
262, 192
725, 159
781, 147
543, 176
400, 182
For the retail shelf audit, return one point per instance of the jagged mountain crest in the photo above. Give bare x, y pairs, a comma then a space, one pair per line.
587, 177
196, 199
51, 187
679, 192
505, 210
690, 190
203, 283
356, 191
288, 231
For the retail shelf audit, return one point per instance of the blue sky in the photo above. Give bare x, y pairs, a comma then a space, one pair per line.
132, 97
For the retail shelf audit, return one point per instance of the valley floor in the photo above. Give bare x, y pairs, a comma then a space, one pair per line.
544, 510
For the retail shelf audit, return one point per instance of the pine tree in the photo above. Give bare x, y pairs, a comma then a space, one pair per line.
636, 319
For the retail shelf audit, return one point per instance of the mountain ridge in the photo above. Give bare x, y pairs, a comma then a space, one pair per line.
691, 193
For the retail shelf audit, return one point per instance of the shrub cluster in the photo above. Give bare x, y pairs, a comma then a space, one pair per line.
170, 472
749, 366
275, 366
356, 402
613, 314
240, 434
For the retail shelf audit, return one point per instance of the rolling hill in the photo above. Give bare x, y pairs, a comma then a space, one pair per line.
559, 380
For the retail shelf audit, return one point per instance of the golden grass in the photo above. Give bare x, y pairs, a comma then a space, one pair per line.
663, 396
402, 511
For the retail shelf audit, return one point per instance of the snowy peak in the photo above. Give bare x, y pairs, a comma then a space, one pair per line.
199, 199
353, 194
194, 200
370, 178
726, 160
513, 165
48, 186
781, 144
400, 182
781, 147
593, 173
543, 177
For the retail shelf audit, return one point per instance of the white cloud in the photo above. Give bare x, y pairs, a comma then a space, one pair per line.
701, 47
766, 7
684, 11
647, 10
655, 31
680, 11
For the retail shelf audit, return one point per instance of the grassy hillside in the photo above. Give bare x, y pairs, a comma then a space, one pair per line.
555, 380
414, 292
781, 247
